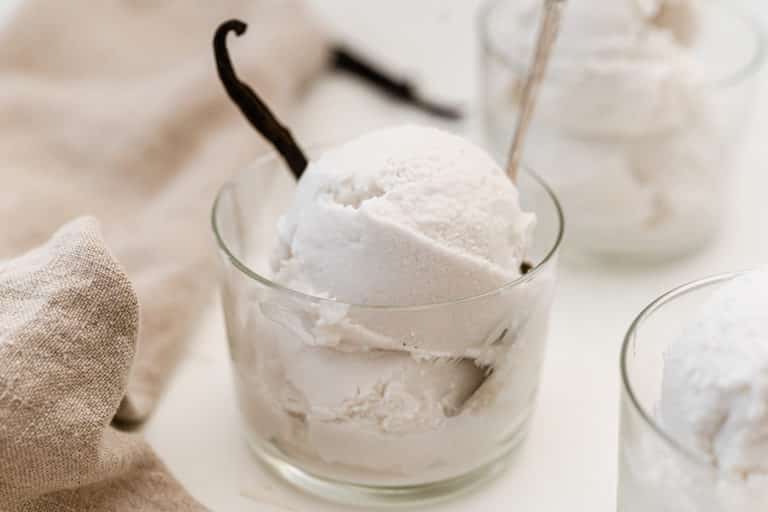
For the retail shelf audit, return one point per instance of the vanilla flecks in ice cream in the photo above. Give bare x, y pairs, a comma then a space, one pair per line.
390, 374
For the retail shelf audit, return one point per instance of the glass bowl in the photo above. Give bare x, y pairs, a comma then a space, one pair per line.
638, 142
656, 472
378, 404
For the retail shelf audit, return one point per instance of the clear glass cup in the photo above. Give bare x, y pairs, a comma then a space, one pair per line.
639, 149
438, 400
656, 473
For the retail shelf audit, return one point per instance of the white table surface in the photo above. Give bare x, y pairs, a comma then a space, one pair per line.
569, 460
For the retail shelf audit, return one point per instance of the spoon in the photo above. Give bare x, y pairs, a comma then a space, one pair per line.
550, 26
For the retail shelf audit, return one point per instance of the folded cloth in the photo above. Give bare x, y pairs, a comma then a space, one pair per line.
114, 109
68, 330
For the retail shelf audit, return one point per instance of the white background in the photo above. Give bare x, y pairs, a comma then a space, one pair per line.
569, 460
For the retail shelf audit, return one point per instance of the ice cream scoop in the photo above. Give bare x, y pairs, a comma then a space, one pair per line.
714, 397
404, 216
615, 72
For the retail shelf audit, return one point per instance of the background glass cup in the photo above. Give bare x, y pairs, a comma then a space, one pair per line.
655, 471
276, 335
641, 166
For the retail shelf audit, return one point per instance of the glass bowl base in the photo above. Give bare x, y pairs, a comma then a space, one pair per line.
382, 496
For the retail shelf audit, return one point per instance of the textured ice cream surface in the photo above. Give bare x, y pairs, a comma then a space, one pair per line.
385, 391
644, 196
404, 216
715, 389
395, 415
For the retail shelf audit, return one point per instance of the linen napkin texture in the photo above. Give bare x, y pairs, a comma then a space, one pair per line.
113, 109
69, 321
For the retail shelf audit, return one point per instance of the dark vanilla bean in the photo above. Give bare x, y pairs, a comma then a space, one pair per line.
344, 59
254, 109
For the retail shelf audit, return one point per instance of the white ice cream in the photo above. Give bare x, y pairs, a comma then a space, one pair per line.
624, 131
715, 391
713, 402
407, 216
404, 216
614, 72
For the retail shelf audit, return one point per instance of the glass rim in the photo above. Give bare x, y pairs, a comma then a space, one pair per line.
754, 64
630, 336
248, 272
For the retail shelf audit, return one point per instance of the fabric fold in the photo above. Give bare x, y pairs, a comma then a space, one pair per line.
69, 320
114, 109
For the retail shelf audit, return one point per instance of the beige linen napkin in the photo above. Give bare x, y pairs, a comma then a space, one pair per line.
68, 329
112, 108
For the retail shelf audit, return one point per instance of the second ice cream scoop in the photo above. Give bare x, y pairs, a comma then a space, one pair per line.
715, 390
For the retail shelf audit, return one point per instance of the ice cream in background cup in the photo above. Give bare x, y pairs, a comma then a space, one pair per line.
387, 317
694, 405
638, 121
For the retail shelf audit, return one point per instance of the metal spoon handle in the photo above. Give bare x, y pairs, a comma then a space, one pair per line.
550, 25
